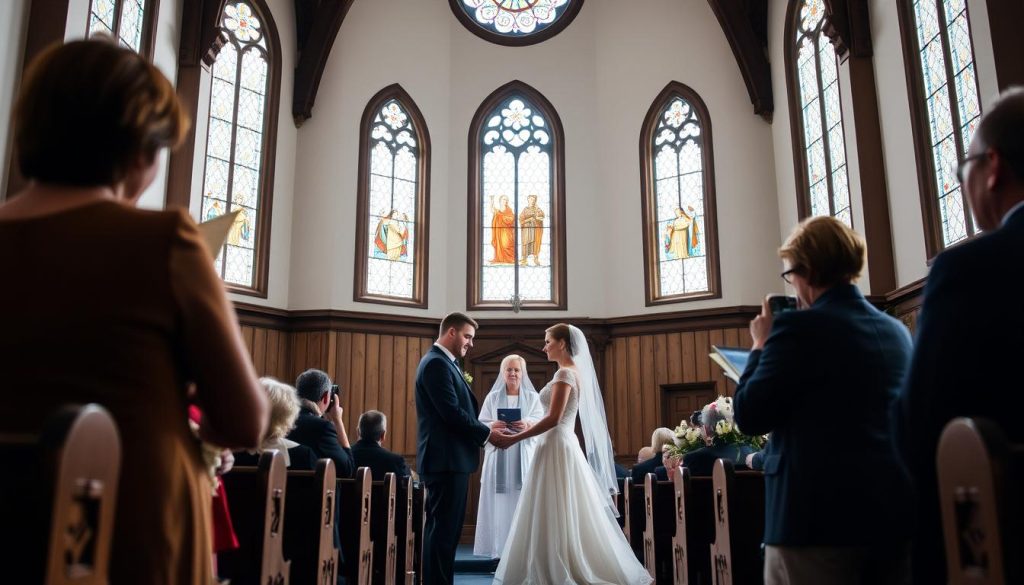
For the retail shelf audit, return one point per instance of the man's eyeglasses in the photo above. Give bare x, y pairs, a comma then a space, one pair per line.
787, 275
960, 168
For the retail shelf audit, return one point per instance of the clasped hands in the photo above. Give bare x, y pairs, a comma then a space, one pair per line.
504, 435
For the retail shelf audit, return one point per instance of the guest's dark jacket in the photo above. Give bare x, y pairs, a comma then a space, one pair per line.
300, 458
701, 462
449, 436
757, 461
319, 434
970, 338
640, 470
621, 472
823, 386
379, 460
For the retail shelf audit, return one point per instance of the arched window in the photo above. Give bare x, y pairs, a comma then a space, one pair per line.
240, 142
515, 22
516, 202
131, 22
678, 183
943, 83
816, 115
394, 176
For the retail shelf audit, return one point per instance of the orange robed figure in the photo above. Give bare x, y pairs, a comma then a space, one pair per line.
503, 238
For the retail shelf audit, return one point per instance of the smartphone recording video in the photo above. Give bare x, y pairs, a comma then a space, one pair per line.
781, 303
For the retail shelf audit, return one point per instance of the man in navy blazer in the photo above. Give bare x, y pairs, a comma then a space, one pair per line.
970, 333
319, 425
449, 438
821, 380
369, 451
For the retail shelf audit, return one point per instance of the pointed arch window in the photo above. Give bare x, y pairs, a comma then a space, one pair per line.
240, 140
131, 22
678, 183
393, 188
945, 109
516, 202
816, 115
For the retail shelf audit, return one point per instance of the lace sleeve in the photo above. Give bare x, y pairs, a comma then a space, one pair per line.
565, 376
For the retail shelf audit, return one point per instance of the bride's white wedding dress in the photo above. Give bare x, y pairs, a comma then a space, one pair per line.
564, 532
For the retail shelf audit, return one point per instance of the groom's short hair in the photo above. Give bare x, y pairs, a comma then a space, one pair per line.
456, 320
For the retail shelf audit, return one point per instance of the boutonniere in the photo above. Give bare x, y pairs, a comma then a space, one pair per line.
465, 375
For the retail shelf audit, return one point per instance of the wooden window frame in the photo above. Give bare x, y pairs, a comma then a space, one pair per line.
261, 248
796, 120
150, 17
516, 41
931, 215
649, 211
421, 251
474, 271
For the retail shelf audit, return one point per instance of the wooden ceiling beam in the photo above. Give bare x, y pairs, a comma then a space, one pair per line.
317, 23
745, 23
848, 26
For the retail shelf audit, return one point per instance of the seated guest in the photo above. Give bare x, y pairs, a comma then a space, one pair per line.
621, 472
971, 320
368, 452
319, 425
148, 314
284, 409
644, 454
755, 461
661, 437
821, 380
701, 462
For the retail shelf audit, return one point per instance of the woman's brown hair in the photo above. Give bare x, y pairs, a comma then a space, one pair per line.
560, 332
90, 111
825, 251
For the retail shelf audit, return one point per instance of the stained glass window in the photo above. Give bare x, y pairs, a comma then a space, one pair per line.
515, 21
236, 139
519, 250
122, 19
949, 89
392, 194
826, 188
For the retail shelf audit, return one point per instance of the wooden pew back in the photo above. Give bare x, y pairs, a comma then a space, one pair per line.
309, 532
633, 502
256, 499
659, 528
695, 529
739, 525
382, 529
981, 477
354, 526
414, 533
61, 499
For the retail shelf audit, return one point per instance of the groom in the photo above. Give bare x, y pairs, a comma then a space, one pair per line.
449, 441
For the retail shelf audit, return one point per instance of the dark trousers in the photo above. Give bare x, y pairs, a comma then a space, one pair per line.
445, 509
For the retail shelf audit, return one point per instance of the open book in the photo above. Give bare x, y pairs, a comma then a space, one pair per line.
733, 360
215, 232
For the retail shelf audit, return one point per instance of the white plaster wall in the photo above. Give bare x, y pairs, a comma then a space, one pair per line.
782, 135
601, 74
13, 16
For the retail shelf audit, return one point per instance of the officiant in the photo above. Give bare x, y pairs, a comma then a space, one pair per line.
512, 404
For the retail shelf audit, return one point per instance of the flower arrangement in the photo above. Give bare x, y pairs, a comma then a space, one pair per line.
690, 437
687, 438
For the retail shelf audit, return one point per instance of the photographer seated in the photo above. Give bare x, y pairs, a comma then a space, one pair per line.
319, 425
284, 409
368, 452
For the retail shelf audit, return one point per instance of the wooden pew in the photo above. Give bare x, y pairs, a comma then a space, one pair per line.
354, 526
695, 529
659, 528
60, 501
414, 522
382, 529
256, 499
309, 532
981, 478
402, 533
739, 526
633, 525
620, 505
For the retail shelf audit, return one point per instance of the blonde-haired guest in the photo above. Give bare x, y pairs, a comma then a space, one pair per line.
659, 438
505, 470
284, 409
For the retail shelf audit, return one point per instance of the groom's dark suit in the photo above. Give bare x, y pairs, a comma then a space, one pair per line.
449, 438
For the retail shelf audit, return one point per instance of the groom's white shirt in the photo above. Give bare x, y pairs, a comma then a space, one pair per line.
446, 352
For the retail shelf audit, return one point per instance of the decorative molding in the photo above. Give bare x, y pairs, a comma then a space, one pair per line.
317, 23
848, 26
516, 41
745, 24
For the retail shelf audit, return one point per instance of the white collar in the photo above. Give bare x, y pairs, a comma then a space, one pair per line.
445, 350
1009, 213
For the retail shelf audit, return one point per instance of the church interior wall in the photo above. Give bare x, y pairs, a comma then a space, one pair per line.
13, 16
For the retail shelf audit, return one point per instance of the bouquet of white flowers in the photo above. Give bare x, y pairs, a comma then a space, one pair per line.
687, 438
726, 431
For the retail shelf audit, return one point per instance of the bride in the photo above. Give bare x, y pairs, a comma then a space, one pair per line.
564, 530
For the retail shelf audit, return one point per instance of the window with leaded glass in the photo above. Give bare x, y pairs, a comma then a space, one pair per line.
394, 159
131, 22
946, 110
239, 153
517, 208
677, 174
515, 22
816, 115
